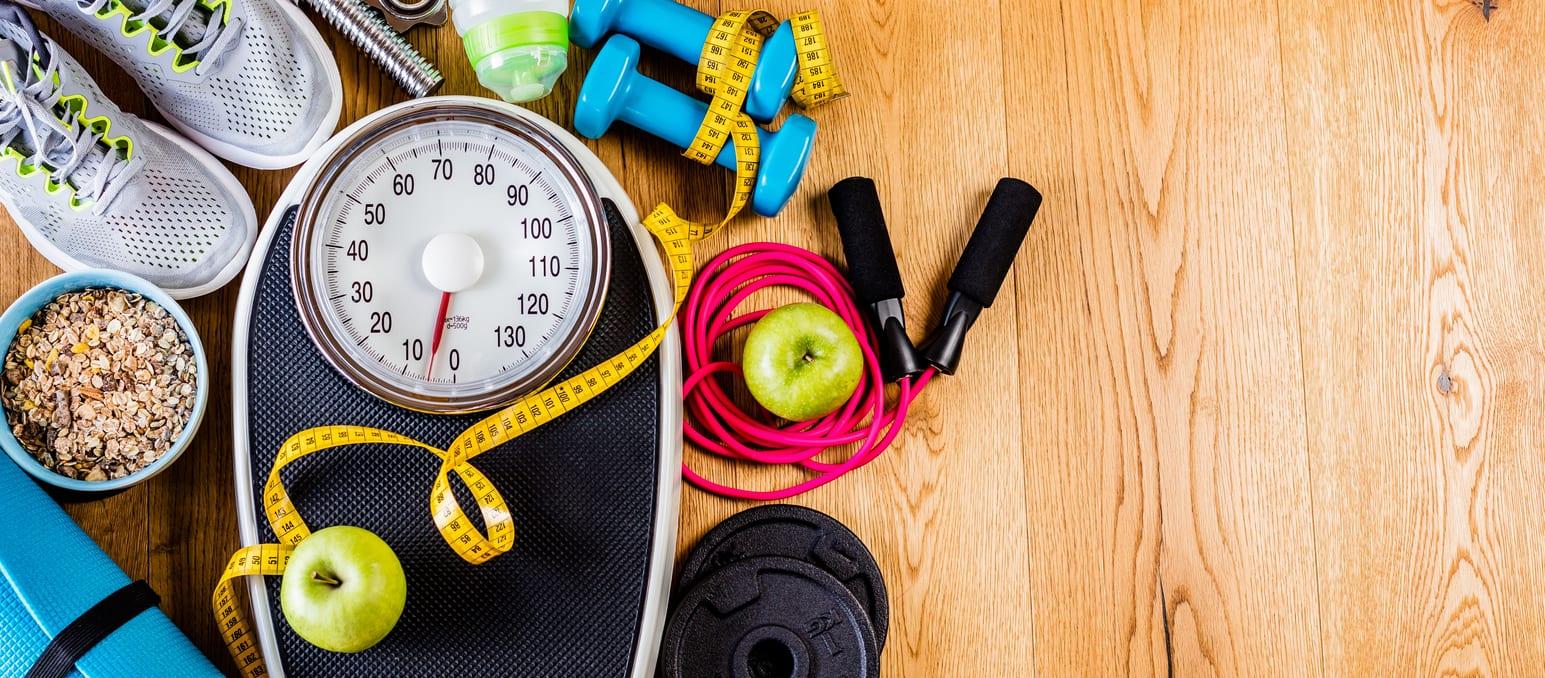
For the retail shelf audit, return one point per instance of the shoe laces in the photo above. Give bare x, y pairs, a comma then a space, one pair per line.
49, 134
210, 37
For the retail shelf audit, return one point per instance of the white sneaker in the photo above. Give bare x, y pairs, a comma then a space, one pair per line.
92, 186
250, 80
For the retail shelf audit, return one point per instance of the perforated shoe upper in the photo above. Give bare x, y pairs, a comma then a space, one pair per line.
173, 217
266, 92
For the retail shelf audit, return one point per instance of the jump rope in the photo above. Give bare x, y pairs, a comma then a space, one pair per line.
869, 301
872, 293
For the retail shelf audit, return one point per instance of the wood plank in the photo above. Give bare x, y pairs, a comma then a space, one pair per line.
1164, 432
1415, 171
949, 476
192, 505
941, 509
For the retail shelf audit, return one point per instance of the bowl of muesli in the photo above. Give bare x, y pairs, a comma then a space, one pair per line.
104, 381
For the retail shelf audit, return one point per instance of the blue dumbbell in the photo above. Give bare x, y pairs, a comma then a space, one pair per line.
680, 31
615, 90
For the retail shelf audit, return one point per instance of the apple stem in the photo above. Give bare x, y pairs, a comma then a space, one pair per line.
318, 576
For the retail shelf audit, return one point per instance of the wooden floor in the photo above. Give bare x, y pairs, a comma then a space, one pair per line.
1266, 392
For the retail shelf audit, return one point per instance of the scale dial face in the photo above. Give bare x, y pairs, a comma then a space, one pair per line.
450, 258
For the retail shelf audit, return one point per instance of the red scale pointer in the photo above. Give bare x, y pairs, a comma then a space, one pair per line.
434, 344
452, 262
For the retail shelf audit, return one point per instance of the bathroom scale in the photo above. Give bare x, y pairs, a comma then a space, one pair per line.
337, 324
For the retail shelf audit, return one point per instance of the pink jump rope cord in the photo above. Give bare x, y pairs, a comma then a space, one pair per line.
715, 423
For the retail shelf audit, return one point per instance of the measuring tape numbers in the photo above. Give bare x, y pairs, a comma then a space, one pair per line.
728, 59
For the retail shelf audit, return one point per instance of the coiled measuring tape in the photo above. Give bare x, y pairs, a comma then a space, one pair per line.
729, 57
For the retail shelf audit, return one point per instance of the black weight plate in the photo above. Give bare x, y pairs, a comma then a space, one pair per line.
769, 617
800, 533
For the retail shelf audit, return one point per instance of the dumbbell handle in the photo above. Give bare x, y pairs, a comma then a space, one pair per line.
667, 25
982, 268
659, 110
366, 28
680, 31
614, 91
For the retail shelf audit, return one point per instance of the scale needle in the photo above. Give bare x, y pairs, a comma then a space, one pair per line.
434, 344
452, 262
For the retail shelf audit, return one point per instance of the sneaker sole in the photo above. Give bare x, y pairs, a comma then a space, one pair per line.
222, 175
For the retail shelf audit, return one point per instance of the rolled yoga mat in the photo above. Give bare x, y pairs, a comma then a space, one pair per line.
51, 573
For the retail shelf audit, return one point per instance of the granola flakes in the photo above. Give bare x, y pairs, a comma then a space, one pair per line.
99, 383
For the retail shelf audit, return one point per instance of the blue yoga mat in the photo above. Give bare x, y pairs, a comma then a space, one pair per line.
51, 572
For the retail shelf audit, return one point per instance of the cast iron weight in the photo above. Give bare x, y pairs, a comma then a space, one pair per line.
973, 286
804, 534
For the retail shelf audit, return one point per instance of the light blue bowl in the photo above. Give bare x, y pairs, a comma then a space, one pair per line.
36, 298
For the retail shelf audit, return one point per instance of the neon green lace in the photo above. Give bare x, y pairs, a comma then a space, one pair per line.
193, 37
48, 131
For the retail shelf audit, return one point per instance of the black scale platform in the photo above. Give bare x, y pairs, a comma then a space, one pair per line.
567, 600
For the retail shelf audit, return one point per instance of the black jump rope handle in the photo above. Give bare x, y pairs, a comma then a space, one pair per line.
974, 285
872, 270
982, 268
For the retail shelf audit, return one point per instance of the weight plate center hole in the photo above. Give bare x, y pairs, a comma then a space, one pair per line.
771, 651
770, 658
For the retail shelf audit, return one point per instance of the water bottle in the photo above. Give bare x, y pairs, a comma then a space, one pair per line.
517, 47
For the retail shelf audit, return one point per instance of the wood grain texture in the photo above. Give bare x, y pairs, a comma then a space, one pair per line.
940, 510
1416, 167
1157, 308
1263, 396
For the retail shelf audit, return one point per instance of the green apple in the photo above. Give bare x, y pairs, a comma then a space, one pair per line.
343, 589
801, 362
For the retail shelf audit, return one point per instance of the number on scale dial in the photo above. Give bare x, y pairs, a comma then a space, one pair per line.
456, 259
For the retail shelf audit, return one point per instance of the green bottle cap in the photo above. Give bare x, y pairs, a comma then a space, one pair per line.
516, 30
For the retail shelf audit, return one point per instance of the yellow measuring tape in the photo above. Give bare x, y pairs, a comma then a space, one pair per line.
728, 60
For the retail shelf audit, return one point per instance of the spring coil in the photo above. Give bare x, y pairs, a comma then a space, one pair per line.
371, 34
